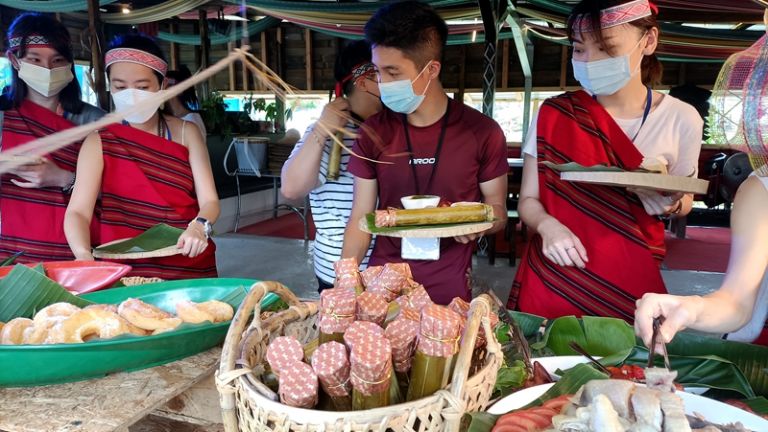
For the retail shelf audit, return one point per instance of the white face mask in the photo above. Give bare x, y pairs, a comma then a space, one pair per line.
47, 82
607, 76
128, 98
399, 95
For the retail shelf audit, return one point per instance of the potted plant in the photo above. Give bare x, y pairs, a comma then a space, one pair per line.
270, 124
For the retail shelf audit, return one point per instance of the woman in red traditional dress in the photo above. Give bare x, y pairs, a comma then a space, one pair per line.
43, 98
597, 249
153, 168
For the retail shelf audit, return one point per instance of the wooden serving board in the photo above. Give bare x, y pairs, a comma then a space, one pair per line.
425, 231
655, 181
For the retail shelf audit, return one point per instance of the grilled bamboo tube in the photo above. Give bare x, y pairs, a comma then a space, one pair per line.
434, 216
334, 161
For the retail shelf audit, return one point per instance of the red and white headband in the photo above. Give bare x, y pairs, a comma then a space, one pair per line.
132, 55
616, 15
32, 41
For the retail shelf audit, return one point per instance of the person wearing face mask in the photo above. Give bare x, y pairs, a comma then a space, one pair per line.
426, 143
43, 98
306, 170
597, 249
152, 168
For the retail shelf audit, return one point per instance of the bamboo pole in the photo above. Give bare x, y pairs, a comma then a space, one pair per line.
97, 59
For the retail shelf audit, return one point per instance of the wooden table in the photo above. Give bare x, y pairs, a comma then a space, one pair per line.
112, 403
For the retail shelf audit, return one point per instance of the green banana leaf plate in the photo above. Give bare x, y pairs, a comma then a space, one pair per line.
32, 365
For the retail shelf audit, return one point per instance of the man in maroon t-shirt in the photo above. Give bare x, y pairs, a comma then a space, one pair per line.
430, 143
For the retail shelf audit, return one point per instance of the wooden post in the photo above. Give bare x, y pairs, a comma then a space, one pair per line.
563, 67
263, 56
205, 49
97, 59
308, 56
280, 69
174, 28
244, 73
230, 48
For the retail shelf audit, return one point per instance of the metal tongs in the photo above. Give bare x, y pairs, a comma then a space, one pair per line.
657, 322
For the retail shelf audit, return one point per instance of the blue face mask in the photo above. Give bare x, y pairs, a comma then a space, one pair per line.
607, 76
399, 96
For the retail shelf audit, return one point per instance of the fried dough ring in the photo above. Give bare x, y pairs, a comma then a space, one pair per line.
107, 307
13, 331
55, 310
214, 311
147, 316
89, 324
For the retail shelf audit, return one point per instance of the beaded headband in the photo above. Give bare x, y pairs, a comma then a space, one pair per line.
33, 40
132, 55
362, 70
616, 15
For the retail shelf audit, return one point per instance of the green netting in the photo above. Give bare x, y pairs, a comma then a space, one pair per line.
236, 33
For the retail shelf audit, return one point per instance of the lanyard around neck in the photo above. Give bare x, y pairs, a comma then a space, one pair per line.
646, 110
443, 128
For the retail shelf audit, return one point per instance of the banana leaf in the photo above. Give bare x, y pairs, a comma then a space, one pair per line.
529, 324
370, 219
752, 360
159, 236
24, 291
692, 371
10, 260
758, 404
598, 335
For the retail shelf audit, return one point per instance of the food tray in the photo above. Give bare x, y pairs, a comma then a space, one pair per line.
30, 365
655, 181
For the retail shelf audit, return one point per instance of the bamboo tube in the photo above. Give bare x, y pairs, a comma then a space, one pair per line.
434, 216
334, 161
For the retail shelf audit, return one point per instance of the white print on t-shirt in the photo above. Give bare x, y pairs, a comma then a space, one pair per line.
422, 161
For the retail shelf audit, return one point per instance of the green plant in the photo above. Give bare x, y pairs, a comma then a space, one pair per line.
214, 113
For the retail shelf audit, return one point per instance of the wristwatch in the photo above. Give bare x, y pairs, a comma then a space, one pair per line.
207, 228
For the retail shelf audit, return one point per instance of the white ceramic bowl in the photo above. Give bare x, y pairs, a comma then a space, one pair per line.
420, 201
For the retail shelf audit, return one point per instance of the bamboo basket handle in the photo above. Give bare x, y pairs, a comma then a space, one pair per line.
251, 304
478, 315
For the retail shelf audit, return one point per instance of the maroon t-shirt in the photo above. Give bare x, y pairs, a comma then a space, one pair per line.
474, 151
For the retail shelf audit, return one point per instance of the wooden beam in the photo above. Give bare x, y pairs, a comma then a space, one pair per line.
681, 74
563, 66
308, 65
462, 73
505, 64
174, 28
263, 44
245, 74
97, 59
231, 68
280, 69
205, 49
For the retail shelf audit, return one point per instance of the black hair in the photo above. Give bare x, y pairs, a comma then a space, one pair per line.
140, 42
32, 23
188, 98
651, 67
410, 26
353, 54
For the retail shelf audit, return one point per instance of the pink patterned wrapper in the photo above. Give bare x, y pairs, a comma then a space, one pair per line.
402, 335
283, 351
410, 314
331, 364
347, 274
385, 218
371, 366
298, 385
391, 281
361, 330
371, 307
370, 274
440, 331
415, 297
337, 310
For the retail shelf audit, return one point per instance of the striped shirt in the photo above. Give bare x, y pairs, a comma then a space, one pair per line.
331, 203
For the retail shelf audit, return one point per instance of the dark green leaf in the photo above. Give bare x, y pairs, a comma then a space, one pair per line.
25, 291
598, 335
510, 378
529, 324
371, 220
751, 359
502, 333
158, 237
758, 404
481, 421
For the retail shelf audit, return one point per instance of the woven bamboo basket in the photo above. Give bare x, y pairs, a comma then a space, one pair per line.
249, 405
